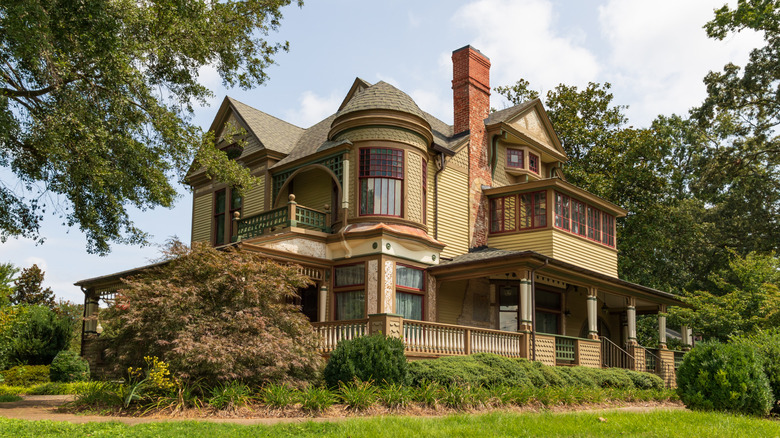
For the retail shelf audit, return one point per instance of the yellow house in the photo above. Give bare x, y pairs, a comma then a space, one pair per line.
459, 238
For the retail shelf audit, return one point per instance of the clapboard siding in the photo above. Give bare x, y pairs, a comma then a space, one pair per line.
201, 218
312, 189
450, 301
580, 252
539, 241
453, 212
254, 200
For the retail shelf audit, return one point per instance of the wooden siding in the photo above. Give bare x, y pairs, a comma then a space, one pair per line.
500, 177
201, 218
449, 299
254, 200
413, 198
312, 189
453, 212
540, 241
580, 252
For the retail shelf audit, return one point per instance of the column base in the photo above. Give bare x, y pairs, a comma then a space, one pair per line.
593, 336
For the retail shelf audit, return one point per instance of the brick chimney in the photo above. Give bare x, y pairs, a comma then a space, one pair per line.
471, 105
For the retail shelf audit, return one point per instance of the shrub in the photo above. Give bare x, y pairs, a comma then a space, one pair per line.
645, 380
724, 377
36, 335
229, 395
395, 396
357, 395
5, 398
68, 366
767, 346
98, 396
369, 358
315, 399
25, 375
475, 370
277, 396
214, 316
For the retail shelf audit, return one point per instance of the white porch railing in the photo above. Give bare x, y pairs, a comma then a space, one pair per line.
333, 332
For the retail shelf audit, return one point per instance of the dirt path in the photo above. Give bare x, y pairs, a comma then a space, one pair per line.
44, 407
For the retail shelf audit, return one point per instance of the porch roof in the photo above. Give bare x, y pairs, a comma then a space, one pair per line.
486, 261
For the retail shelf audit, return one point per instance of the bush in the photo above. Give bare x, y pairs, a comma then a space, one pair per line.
724, 377
35, 335
767, 346
214, 316
369, 358
68, 366
477, 369
25, 375
645, 380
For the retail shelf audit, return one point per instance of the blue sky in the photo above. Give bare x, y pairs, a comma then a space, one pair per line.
654, 54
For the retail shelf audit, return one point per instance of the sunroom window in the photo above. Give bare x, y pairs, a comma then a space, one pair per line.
409, 295
381, 181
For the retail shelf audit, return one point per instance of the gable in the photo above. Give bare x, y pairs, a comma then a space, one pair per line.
531, 125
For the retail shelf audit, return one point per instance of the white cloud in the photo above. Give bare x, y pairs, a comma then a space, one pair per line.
313, 108
433, 103
523, 40
29, 261
659, 53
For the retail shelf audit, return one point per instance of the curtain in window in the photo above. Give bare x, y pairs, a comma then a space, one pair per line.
406, 276
350, 275
350, 305
409, 305
547, 322
380, 196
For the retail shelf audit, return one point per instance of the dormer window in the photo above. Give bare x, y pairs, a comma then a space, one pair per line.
514, 158
533, 163
381, 181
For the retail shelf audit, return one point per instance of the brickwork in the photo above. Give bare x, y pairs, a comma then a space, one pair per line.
666, 368
471, 103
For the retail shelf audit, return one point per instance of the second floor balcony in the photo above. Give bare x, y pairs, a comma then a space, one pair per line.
277, 219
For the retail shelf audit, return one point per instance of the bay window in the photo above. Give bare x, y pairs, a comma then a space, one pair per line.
562, 211
410, 292
594, 224
381, 177
577, 217
503, 213
608, 229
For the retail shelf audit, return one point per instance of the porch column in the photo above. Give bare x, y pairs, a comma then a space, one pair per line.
631, 319
687, 338
662, 327
593, 331
525, 304
322, 303
345, 186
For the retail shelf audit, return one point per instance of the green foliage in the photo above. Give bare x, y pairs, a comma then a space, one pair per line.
367, 358
96, 100
767, 346
7, 272
746, 299
25, 375
28, 290
277, 396
229, 396
99, 396
34, 336
357, 395
724, 377
315, 399
395, 396
5, 398
75, 314
215, 316
68, 366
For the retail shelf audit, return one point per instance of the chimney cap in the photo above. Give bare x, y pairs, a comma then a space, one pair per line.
469, 46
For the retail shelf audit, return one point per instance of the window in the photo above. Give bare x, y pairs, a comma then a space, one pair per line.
562, 211
548, 311
514, 158
381, 181
508, 301
594, 224
409, 297
350, 304
533, 210
503, 213
533, 163
608, 229
577, 217
224, 208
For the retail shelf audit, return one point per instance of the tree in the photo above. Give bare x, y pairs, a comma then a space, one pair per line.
746, 299
96, 98
214, 316
7, 272
32, 335
28, 289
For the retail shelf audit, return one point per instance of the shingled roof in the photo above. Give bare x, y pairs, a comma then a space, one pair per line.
508, 113
381, 96
274, 134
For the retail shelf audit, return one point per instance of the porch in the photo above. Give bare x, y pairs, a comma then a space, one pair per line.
425, 340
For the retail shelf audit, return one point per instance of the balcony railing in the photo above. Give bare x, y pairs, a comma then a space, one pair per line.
292, 215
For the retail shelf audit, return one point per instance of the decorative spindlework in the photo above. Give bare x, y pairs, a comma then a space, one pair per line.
389, 286
371, 286
300, 246
431, 298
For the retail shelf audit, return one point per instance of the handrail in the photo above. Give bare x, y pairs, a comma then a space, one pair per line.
613, 356
658, 361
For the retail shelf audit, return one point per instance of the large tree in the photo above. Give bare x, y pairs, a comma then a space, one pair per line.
28, 289
96, 98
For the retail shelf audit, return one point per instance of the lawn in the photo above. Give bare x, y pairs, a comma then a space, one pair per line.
653, 424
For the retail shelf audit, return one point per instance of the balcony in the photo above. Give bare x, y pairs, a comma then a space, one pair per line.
291, 215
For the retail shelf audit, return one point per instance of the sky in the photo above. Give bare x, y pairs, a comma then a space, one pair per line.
655, 55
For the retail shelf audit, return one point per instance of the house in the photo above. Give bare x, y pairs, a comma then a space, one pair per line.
461, 239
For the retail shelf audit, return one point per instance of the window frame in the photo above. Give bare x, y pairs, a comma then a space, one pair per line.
412, 290
502, 218
582, 216
533, 197
558, 312
362, 177
596, 220
226, 215
531, 158
357, 287
608, 224
558, 216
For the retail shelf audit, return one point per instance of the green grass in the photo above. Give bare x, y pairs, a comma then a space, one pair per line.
654, 424
9, 398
